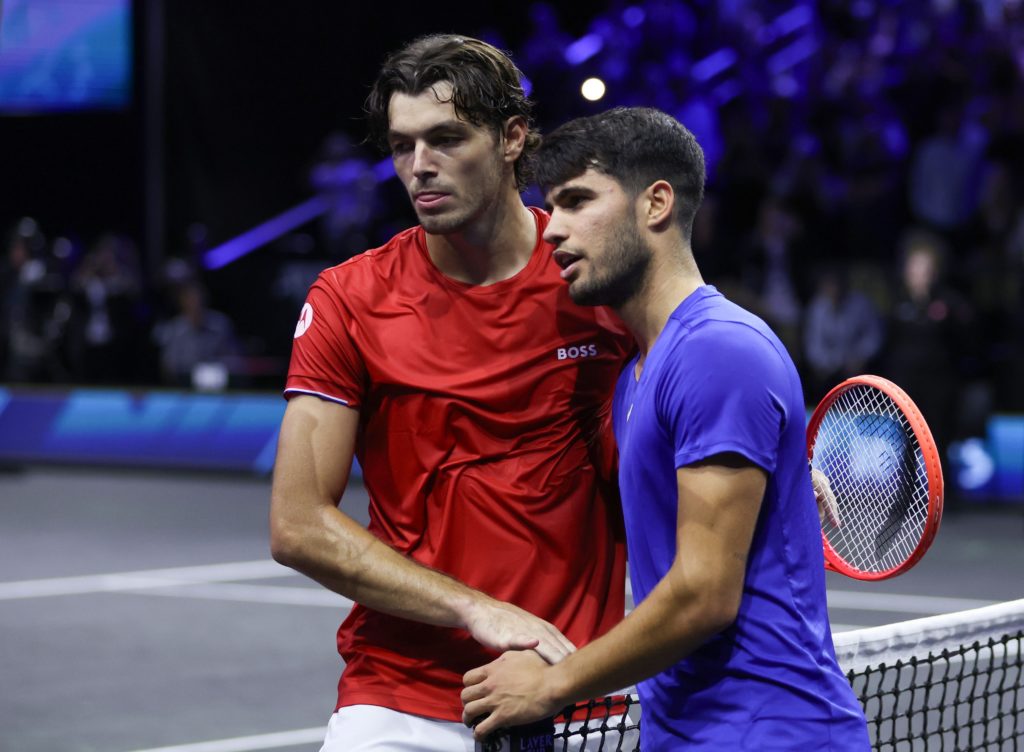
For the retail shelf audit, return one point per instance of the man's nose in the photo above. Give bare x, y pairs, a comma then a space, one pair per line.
555, 233
423, 161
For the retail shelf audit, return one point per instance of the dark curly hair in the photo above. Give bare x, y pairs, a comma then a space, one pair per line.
486, 88
634, 145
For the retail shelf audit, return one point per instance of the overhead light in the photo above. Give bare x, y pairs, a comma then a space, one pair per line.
592, 89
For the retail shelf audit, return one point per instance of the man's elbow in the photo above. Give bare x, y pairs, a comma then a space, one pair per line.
704, 606
718, 609
722, 614
285, 541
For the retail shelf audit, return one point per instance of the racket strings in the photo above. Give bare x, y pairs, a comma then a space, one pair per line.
868, 451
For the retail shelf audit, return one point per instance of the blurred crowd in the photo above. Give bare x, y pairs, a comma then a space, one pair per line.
865, 197
87, 315
865, 175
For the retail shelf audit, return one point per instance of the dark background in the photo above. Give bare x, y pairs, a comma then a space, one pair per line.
813, 126
250, 93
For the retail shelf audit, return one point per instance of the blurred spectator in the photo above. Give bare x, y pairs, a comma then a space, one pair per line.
197, 346
769, 262
812, 190
742, 177
872, 212
842, 333
345, 177
999, 201
33, 309
945, 172
993, 278
110, 318
929, 335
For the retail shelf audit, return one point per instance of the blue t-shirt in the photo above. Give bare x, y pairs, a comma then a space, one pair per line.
718, 380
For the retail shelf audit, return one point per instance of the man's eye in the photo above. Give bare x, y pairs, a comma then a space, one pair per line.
400, 148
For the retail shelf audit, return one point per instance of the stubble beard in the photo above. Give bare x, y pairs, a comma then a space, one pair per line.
475, 197
625, 271
443, 224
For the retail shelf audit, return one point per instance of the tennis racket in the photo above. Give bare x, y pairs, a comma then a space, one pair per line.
873, 457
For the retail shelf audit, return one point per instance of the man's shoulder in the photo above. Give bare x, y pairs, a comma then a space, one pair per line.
714, 319
376, 265
720, 334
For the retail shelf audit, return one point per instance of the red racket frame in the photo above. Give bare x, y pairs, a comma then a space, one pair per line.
933, 468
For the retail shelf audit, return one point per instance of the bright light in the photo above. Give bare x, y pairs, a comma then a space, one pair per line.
592, 89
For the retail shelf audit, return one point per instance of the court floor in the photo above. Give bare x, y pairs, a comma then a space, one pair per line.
142, 612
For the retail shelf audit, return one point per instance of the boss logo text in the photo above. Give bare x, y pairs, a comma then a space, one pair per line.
583, 351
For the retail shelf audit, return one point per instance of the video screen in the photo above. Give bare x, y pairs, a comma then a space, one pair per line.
65, 55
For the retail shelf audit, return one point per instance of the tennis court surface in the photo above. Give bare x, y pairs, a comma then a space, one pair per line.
141, 611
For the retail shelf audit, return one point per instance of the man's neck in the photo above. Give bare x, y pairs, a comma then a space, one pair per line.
491, 249
668, 284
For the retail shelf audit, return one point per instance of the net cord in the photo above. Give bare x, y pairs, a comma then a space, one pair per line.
861, 648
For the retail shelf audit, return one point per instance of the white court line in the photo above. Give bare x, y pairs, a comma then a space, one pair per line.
200, 581
149, 578
249, 743
909, 604
294, 596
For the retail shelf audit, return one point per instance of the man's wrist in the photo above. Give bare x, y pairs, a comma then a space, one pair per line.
466, 606
558, 687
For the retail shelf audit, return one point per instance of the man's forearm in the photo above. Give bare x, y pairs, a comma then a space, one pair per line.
674, 620
343, 556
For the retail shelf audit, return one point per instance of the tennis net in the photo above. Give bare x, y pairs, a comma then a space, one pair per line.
948, 682
942, 683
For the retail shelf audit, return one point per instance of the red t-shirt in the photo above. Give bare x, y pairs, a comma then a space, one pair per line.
485, 447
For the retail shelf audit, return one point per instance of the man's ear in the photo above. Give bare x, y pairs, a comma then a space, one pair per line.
513, 138
657, 206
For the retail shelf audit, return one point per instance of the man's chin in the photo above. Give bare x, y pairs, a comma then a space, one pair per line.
611, 295
584, 296
440, 224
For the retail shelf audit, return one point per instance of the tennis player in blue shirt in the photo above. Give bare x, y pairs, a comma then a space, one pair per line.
729, 645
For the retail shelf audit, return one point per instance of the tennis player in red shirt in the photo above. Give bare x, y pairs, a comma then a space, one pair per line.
475, 395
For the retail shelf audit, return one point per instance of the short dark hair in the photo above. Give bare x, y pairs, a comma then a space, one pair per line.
486, 88
634, 145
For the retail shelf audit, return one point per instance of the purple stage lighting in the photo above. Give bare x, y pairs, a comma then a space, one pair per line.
275, 227
633, 16
713, 64
583, 49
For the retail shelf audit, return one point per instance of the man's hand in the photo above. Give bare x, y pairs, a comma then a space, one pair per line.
502, 626
509, 691
828, 507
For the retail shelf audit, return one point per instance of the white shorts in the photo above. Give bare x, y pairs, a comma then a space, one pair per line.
369, 728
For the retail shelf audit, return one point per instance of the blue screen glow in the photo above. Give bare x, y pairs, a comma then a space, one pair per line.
65, 55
